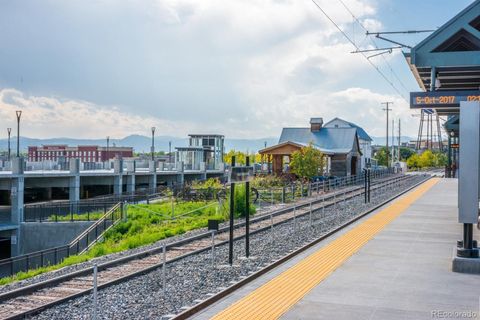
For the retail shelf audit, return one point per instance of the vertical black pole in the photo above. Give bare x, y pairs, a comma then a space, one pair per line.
369, 183
232, 204
19, 114
247, 213
365, 182
9, 131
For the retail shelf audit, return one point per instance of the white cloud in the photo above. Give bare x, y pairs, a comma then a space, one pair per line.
240, 68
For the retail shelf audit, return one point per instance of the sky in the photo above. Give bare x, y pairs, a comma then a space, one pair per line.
245, 69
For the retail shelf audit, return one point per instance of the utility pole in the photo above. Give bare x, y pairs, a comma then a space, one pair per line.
9, 131
19, 114
393, 141
387, 109
153, 143
399, 142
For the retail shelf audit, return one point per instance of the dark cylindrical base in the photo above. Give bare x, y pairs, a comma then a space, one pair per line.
468, 253
467, 248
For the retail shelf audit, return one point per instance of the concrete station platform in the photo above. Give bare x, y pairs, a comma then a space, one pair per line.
400, 270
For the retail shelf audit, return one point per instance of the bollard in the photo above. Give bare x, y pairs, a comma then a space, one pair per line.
95, 306
164, 268
271, 195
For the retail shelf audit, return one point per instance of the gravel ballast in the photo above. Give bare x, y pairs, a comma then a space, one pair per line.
195, 277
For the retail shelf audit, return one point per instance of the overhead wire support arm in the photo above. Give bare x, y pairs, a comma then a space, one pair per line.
379, 36
377, 49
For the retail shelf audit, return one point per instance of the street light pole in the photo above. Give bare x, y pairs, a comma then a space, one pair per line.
387, 109
153, 143
9, 130
19, 114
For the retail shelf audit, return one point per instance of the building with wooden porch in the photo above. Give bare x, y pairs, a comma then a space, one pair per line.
339, 144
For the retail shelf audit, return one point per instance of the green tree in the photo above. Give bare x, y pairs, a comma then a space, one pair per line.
412, 161
240, 157
381, 156
307, 162
406, 153
440, 159
426, 159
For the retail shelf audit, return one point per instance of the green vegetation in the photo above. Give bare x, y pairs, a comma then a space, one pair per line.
381, 155
427, 159
307, 162
240, 157
146, 224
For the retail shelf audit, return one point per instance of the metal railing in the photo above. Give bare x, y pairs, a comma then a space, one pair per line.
52, 256
84, 209
297, 190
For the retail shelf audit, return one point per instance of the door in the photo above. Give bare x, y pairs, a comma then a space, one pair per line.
353, 166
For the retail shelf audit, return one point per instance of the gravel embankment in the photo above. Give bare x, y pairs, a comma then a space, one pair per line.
195, 277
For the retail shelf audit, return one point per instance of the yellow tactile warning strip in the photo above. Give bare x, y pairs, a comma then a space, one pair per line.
278, 295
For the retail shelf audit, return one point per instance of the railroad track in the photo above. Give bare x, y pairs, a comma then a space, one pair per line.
28, 300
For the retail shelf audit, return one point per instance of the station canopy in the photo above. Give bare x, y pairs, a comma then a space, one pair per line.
449, 59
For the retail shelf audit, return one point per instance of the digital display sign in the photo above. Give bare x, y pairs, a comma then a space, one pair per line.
442, 99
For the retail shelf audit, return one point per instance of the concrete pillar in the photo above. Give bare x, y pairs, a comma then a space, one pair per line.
152, 180
74, 181
161, 166
118, 178
181, 174
16, 198
152, 166
131, 166
130, 183
203, 169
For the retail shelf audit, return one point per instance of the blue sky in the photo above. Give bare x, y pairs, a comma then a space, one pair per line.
240, 68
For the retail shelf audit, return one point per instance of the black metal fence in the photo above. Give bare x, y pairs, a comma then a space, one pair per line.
291, 192
82, 210
56, 255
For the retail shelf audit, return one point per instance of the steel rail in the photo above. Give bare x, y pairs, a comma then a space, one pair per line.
145, 268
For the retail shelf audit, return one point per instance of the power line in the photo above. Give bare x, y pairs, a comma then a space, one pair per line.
374, 43
353, 43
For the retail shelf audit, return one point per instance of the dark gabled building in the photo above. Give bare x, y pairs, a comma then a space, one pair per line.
340, 145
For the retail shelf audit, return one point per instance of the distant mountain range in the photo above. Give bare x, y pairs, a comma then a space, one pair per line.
142, 143
138, 142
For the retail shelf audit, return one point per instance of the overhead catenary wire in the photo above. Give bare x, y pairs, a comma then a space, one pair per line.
374, 43
364, 55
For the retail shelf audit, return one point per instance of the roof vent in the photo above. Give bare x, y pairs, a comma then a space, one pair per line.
316, 124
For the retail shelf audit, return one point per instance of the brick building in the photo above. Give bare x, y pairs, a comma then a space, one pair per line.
84, 153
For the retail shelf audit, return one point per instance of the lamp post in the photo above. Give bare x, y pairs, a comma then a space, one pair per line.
153, 143
9, 130
19, 114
